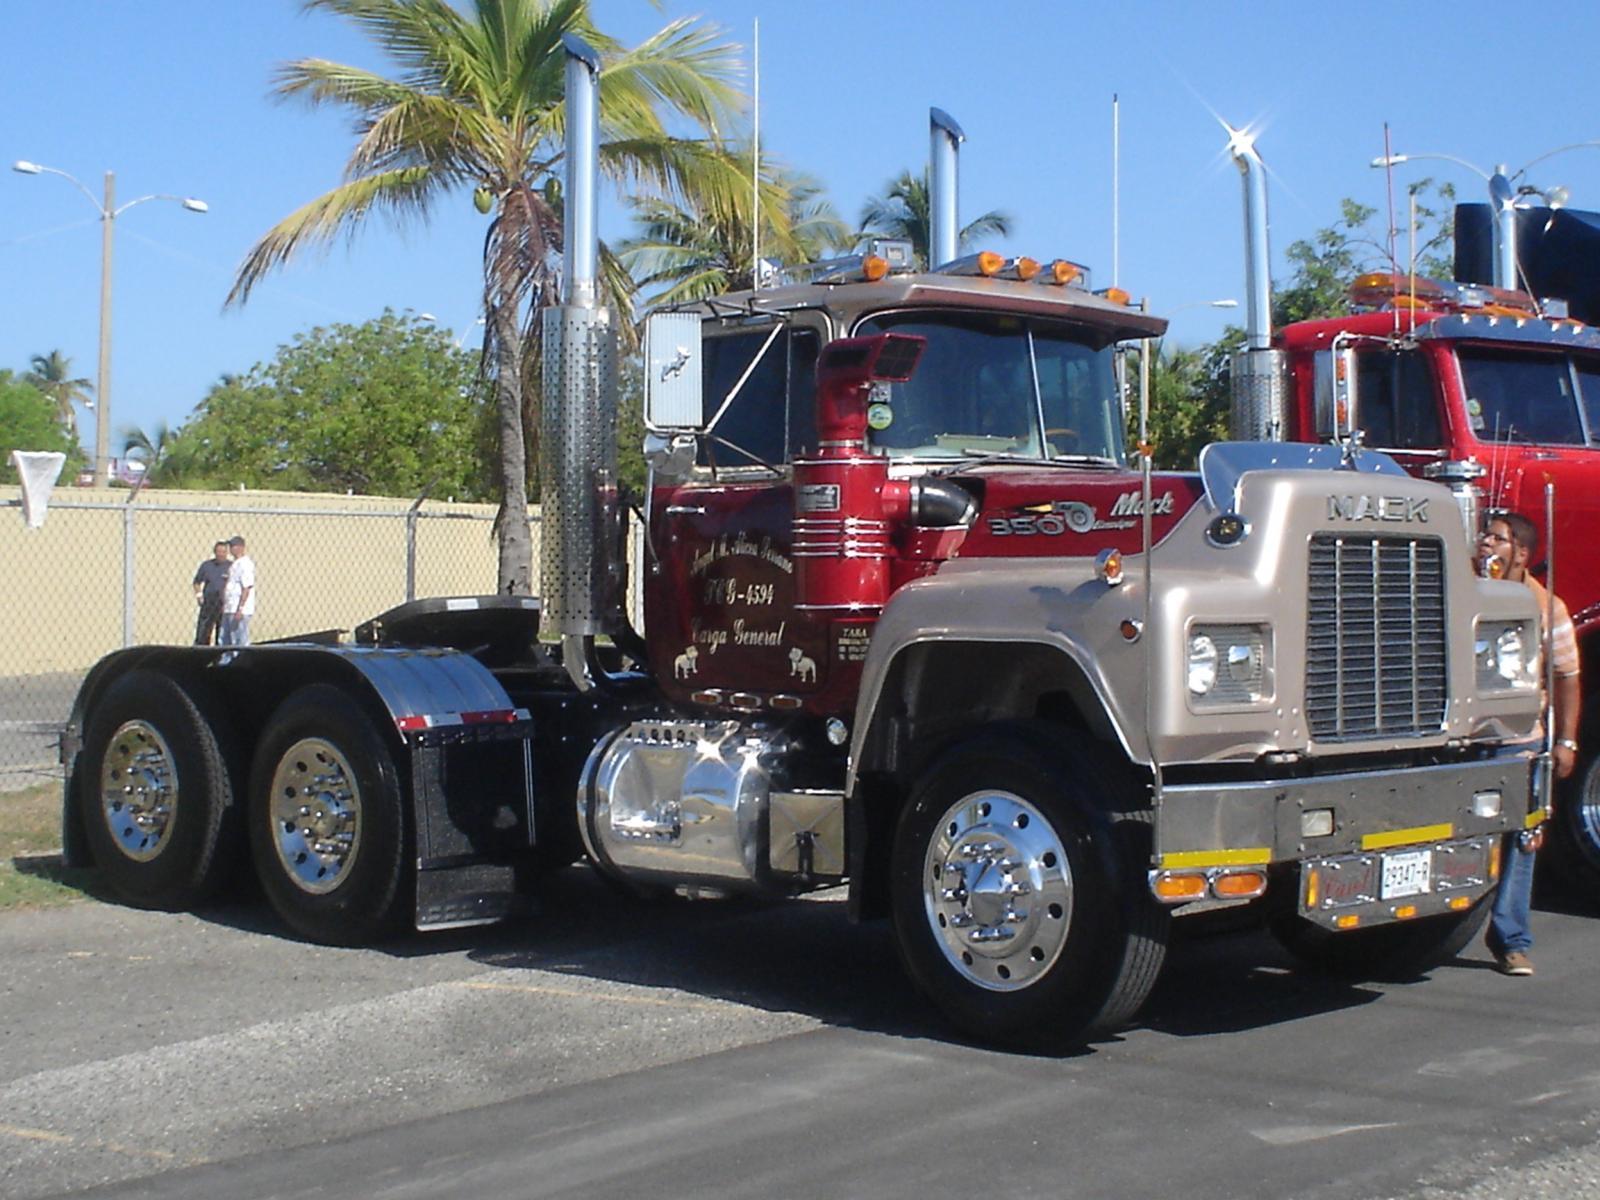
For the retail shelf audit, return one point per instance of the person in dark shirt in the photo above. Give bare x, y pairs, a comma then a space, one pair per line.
210, 578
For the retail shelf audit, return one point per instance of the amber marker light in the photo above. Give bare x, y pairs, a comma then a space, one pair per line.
1026, 268
1061, 272
1405, 912
1348, 921
1176, 886
1460, 902
1494, 861
990, 263
1313, 888
1239, 885
874, 268
1116, 295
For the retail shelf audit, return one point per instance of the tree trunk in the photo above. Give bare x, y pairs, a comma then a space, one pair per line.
516, 547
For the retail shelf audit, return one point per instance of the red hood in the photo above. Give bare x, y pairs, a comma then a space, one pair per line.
1062, 513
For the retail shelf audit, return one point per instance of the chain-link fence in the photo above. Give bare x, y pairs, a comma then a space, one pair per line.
106, 571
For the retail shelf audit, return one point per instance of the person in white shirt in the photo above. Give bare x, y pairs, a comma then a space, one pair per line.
239, 596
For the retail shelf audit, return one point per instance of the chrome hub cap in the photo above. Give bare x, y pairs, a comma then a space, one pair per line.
997, 890
1587, 817
316, 815
138, 790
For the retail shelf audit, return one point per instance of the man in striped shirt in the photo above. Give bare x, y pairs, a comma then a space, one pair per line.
1513, 540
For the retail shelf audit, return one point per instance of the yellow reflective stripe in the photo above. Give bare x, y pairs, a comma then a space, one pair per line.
1403, 837
1254, 856
1533, 819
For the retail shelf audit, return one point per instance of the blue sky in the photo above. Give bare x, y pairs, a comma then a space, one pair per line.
173, 96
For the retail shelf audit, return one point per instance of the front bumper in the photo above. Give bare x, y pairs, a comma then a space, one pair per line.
1364, 848
1262, 822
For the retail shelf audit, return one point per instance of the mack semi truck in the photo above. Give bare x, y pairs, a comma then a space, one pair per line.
1478, 386
915, 623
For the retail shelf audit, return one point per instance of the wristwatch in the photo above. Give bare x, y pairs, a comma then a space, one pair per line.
1568, 743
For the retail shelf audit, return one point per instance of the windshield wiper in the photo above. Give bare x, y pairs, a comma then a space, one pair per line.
978, 458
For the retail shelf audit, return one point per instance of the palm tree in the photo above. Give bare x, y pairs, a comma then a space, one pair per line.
154, 449
52, 375
902, 212
695, 250
478, 104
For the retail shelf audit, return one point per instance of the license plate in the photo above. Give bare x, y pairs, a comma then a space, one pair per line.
1406, 874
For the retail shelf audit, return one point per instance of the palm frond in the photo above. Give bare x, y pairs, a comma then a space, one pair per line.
402, 192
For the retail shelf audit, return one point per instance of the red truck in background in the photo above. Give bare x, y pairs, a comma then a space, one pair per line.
1483, 388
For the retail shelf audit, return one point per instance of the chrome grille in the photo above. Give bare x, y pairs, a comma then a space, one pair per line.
1375, 637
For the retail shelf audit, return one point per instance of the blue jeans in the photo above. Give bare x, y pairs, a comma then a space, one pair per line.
1509, 926
235, 630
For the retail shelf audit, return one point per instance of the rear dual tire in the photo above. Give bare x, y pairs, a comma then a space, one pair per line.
154, 793
327, 820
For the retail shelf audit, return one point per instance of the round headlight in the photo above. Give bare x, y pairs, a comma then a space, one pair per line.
1202, 664
1508, 648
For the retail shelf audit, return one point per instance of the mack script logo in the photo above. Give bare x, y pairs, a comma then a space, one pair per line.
1397, 509
1074, 516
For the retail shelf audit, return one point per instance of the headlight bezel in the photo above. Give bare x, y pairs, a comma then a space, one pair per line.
1233, 660
1506, 656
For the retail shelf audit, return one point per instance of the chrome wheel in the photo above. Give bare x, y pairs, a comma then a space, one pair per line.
315, 809
138, 790
1585, 817
997, 890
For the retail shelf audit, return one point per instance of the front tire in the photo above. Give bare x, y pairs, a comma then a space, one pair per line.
1575, 852
328, 820
1017, 885
153, 791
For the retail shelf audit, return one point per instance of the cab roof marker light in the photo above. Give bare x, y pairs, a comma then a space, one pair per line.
985, 262
1062, 273
1379, 290
1115, 295
1025, 268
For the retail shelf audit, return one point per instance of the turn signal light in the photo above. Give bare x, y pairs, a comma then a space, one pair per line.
1239, 885
1175, 886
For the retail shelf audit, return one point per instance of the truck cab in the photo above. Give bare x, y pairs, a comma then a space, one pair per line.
1476, 387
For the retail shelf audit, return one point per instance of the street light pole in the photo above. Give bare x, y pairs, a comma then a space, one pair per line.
1502, 202
109, 212
102, 390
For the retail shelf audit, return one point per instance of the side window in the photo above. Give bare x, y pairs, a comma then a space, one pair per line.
1399, 410
1588, 367
772, 415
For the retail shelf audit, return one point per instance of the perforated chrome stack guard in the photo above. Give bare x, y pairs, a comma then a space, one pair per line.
578, 479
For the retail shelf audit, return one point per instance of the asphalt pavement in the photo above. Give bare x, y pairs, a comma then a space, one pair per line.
609, 1048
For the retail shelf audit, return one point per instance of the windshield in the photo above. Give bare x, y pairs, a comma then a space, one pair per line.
1515, 396
997, 384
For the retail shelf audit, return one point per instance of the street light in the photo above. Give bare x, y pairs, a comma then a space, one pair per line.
109, 212
1503, 199
1204, 304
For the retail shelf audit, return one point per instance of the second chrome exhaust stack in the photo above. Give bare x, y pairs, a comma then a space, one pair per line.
580, 577
1260, 373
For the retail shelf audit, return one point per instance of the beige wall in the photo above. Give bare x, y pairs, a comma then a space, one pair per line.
322, 562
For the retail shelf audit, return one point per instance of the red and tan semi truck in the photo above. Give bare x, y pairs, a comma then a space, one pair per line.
915, 624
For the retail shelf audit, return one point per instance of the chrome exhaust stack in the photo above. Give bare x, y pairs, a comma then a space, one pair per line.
579, 576
944, 152
1260, 373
